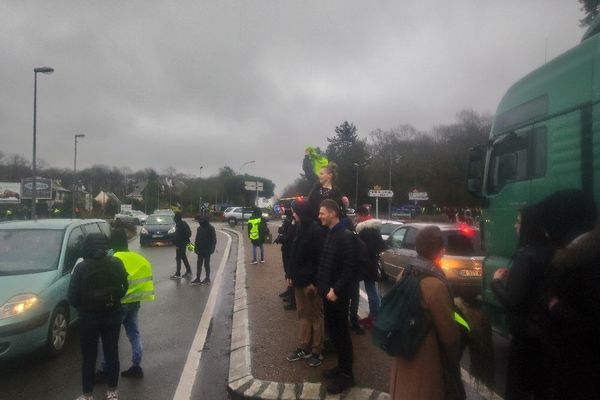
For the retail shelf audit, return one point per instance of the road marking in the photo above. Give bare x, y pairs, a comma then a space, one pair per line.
190, 369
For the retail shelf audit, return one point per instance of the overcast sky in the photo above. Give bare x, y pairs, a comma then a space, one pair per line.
212, 83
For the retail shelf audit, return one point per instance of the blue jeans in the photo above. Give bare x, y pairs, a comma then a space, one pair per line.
371, 289
262, 251
129, 312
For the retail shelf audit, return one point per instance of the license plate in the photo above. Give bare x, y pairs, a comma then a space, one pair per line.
470, 272
157, 236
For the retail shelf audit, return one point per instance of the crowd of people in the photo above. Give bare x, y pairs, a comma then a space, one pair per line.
551, 293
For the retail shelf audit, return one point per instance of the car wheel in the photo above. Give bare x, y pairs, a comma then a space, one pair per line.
57, 331
232, 221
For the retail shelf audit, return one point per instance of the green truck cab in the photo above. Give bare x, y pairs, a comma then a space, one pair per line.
545, 137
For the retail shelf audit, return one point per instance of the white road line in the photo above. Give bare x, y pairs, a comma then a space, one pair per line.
190, 369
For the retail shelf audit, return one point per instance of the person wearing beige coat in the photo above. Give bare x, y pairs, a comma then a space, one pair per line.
434, 372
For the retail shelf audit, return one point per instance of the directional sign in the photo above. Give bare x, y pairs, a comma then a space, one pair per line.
418, 196
381, 193
252, 185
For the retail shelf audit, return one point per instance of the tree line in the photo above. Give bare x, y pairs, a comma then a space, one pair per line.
430, 161
162, 189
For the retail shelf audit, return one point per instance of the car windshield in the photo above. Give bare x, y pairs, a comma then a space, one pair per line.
136, 212
160, 220
464, 243
29, 250
387, 229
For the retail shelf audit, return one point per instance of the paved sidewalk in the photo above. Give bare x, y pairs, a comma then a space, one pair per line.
263, 334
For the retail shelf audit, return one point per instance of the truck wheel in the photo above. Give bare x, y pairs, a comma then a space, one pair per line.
57, 331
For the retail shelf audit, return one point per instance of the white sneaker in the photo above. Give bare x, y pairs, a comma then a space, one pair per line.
112, 394
85, 397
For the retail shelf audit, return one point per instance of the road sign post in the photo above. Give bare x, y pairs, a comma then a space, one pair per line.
377, 194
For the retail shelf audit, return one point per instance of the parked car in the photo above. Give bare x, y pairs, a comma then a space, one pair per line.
461, 262
36, 260
387, 227
134, 217
159, 229
233, 215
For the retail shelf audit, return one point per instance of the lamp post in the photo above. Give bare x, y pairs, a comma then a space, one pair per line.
356, 192
43, 70
74, 196
200, 198
392, 160
243, 194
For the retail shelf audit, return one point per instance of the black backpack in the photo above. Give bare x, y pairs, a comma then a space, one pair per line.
101, 287
401, 326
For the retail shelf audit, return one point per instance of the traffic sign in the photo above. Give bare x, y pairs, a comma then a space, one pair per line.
418, 196
381, 193
252, 185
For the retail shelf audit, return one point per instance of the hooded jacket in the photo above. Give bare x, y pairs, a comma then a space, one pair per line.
95, 249
369, 232
304, 253
206, 239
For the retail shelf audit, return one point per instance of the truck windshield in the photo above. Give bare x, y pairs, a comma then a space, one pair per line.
29, 250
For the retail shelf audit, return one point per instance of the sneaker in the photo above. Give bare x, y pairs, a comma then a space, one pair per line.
112, 394
284, 294
99, 377
340, 383
254, 262
315, 360
85, 397
187, 275
262, 261
205, 282
196, 282
176, 276
135, 372
298, 354
331, 373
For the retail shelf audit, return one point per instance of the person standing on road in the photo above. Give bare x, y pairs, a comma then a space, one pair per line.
182, 238
302, 276
257, 232
286, 235
520, 291
335, 276
368, 230
97, 285
141, 288
433, 373
204, 245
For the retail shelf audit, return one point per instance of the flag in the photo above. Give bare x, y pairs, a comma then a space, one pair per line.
317, 160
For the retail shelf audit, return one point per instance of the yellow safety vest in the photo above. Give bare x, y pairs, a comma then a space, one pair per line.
254, 234
139, 277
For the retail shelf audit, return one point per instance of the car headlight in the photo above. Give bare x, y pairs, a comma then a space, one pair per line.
172, 230
144, 231
18, 305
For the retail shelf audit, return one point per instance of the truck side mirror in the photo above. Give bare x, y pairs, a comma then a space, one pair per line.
475, 166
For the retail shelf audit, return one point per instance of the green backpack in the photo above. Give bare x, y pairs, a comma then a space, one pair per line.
401, 326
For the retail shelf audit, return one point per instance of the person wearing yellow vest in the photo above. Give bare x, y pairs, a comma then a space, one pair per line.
141, 288
257, 231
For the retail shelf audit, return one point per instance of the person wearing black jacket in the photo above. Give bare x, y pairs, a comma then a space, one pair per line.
521, 292
302, 276
94, 281
284, 238
204, 246
182, 238
335, 276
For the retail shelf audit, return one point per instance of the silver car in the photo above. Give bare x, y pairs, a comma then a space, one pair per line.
131, 216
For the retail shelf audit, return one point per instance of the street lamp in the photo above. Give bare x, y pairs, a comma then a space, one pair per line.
356, 192
392, 160
43, 70
243, 194
74, 196
200, 198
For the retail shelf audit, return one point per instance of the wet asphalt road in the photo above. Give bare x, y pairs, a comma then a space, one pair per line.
167, 327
